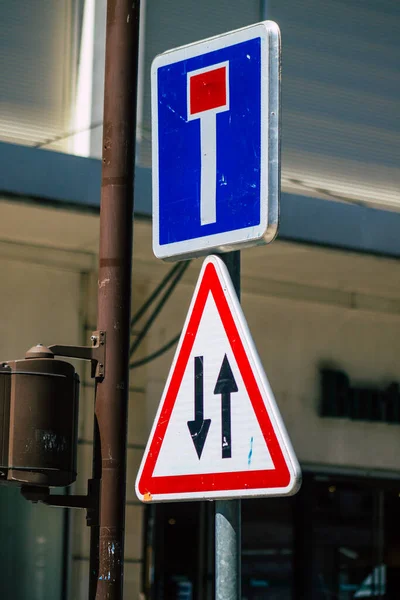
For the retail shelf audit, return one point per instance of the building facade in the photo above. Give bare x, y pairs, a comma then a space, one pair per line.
322, 302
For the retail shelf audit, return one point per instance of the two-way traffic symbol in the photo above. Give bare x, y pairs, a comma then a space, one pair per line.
225, 386
200, 426
218, 432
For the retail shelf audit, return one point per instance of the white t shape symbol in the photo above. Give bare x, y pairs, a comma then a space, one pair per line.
207, 95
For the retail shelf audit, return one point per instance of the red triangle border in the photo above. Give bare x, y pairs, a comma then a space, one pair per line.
279, 477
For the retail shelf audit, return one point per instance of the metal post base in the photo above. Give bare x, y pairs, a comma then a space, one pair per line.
227, 550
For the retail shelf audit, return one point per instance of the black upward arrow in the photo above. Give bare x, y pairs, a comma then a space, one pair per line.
200, 426
225, 386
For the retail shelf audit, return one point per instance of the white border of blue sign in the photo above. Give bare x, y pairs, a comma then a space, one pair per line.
267, 229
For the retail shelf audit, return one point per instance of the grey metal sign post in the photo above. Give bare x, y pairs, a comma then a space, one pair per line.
228, 526
228, 549
218, 433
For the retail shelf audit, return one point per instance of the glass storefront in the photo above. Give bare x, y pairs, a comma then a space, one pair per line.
267, 549
349, 534
339, 538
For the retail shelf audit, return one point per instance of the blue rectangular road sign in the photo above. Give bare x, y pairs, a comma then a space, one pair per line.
215, 119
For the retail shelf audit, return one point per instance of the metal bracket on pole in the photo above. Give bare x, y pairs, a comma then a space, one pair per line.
90, 501
96, 353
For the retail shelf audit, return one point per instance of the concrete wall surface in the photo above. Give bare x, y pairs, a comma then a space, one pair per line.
306, 306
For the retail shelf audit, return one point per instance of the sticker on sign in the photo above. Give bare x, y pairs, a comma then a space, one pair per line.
216, 141
218, 432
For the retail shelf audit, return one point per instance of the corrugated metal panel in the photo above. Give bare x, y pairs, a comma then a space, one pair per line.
341, 93
36, 58
175, 23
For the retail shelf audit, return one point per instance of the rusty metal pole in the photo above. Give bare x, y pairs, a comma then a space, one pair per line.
114, 291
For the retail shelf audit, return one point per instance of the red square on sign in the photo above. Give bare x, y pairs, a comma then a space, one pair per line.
208, 90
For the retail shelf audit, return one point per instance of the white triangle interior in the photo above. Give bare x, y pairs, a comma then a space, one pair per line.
249, 450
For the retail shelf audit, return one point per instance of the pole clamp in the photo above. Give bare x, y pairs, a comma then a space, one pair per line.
96, 353
90, 501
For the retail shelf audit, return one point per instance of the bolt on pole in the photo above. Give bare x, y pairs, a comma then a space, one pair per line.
228, 512
114, 291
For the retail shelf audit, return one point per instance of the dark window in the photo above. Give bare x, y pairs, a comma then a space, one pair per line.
339, 538
347, 540
267, 549
181, 546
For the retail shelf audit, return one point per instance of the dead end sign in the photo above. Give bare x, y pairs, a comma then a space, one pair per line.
216, 143
218, 432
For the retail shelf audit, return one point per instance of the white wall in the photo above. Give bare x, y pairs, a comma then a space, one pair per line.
294, 339
348, 317
304, 306
38, 303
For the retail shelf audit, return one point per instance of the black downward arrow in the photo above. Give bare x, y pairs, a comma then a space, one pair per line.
200, 426
225, 386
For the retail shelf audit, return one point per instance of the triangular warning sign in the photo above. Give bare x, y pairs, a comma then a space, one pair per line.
218, 432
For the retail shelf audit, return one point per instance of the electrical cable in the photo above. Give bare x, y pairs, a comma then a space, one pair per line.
156, 354
158, 308
155, 293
